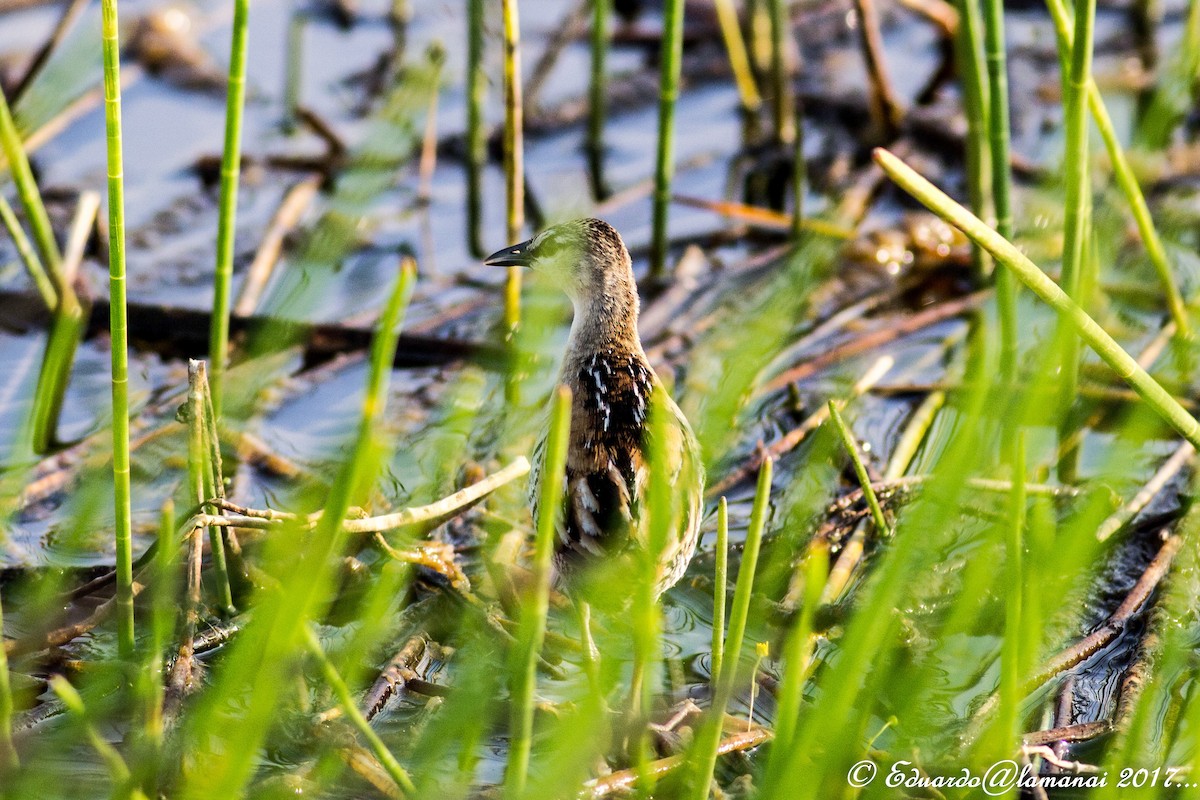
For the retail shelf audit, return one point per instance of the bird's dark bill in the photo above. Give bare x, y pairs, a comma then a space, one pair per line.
515, 256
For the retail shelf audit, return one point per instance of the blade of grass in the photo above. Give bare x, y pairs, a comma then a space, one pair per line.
533, 617
8, 754
704, 752
1155, 396
231, 166
350, 710
720, 587
33, 264
118, 326
864, 480
1123, 172
670, 60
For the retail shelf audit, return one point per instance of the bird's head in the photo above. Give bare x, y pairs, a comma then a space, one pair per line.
585, 257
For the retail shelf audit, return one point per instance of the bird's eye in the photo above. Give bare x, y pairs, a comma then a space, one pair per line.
550, 246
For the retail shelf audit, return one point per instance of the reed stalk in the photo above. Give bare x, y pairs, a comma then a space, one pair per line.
1077, 180
670, 60
231, 167
8, 754
476, 91
704, 751
349, 705
1000, 158
1152, 393
973, 80
118, 326
1124, 175
799, 176
739, 58
534, 611
860, 470
514, 155
597, 96
29, 257
783, 114
720, 587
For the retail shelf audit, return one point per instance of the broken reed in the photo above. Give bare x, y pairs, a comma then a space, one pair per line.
999, 158
523, 672
201, 473
118, 327
708, 737
231, 163
670, 58
1007, 254
1076, 176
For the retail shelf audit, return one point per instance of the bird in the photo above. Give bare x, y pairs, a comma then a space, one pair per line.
607, 483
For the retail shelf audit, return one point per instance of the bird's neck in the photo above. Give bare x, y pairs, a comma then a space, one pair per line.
605, 324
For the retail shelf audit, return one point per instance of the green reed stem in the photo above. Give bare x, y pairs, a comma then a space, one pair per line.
29, 257
704, 752
598, 89
860, 470
476, 91
1010, 654
533, 616
972, 70
8, 754
514, 155
783, 115
671, 59
739, 59
720, 587
27, 191
231, 167
1154, 395
349, 706
999, 131
1076, 177
118, 770
799, 175
118, 326
797, 657
1123, 172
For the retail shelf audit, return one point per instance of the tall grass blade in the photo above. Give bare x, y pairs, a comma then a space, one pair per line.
27, 190
231, 166
704, 751
533, 616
